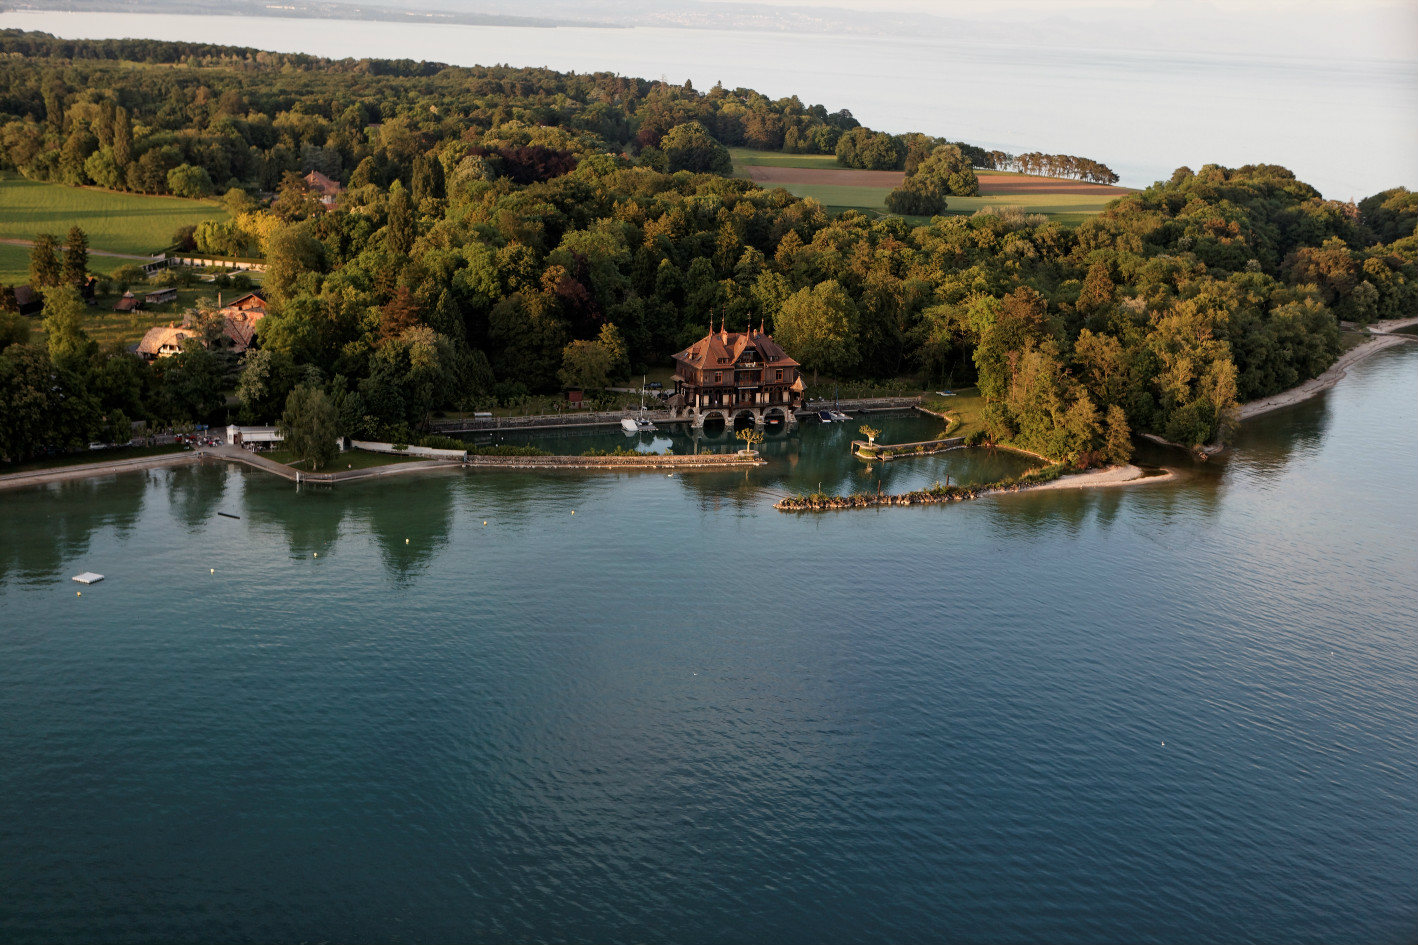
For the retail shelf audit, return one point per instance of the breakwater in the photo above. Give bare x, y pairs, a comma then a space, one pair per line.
936, 495
866, 450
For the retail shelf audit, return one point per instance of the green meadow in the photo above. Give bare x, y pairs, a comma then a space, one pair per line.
1065, 208
115, 222
14, 264
747, 157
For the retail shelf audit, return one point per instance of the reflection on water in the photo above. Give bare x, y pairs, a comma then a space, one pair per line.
43, 527
1072, 716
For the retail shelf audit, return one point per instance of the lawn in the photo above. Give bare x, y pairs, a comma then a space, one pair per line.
967, 406
104, 325
868, 193
14, 264
747, 157
349, 459
116, 222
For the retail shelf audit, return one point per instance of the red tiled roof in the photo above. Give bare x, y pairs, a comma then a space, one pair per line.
707, 351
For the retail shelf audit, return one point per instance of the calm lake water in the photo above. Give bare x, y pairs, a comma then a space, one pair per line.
1182, 712
1344, 125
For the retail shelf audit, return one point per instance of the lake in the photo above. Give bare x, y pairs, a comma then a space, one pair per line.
444, 708
1343, 124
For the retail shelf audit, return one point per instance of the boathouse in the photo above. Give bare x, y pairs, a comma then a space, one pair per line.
737, 378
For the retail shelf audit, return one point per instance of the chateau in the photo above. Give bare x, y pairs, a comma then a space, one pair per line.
732, 376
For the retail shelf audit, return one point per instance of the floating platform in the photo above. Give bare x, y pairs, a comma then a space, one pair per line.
88, 577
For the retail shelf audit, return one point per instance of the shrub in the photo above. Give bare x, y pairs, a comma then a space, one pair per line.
506, 449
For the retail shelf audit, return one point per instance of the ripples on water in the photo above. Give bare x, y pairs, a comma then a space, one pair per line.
679, 715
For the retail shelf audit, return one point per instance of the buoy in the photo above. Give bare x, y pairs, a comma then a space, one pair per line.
213, 570
78, 593
484, 522
573, 511
317, 554
406, 541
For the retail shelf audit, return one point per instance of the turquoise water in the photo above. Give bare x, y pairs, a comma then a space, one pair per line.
1181, 712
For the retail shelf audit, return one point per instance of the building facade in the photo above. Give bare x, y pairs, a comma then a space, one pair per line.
736, 377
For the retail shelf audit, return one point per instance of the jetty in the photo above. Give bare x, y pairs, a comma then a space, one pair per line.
612, 418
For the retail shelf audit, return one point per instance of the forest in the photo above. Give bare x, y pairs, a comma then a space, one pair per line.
505, 231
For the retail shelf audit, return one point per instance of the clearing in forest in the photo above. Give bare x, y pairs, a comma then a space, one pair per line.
838, 188
116, 222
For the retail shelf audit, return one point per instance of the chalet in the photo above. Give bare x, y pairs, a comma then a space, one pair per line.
27, 301
163, 342
736, 377
160, 296
325, 189
250, 305
239, 321
129, 303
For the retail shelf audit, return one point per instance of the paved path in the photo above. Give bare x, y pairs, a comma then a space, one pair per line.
92, 251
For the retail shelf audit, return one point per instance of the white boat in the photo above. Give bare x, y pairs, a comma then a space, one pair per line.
641, 423
839, 416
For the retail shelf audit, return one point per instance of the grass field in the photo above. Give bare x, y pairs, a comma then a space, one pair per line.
967, 406
14, 264
115, 222
104, 325
747, 157
820, 178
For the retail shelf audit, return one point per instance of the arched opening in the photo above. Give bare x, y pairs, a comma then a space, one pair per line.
713, 422
774, 419
744, 420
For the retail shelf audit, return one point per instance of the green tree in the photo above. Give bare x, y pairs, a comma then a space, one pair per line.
818, 327
870, 432
1117, 446
690, 147
14, 329
949, 169
585, 364
76, 255
185, 180
69, 346
45, 268
310, 426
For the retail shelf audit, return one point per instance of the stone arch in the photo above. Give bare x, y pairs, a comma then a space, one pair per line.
713, 420
775, 415
745, 419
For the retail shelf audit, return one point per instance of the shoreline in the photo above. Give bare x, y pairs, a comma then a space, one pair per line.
1107, 477
232, 454
1380, 339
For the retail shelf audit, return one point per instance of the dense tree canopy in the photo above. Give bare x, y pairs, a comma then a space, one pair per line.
505, 231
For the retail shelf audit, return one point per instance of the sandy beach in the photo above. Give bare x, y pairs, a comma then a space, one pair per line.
1128, 475
1380, 339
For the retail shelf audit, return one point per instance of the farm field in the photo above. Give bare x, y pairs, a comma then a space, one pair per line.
838, 188
115, 222
14, 265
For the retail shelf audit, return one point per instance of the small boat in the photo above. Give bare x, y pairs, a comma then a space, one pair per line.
641, 423
825, 416
839, 416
